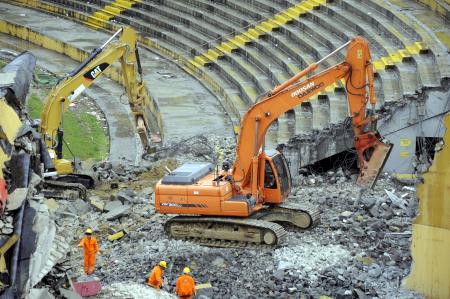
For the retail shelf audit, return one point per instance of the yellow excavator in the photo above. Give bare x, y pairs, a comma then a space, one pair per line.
126, 52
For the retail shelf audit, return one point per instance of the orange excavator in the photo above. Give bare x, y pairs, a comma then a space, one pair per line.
252, 193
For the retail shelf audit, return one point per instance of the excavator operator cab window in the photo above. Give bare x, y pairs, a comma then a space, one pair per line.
269, 177
282, 171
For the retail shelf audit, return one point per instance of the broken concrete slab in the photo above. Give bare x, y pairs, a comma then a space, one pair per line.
146, 192
97, 203
127, 192
68, 294
346, 214
35, 180
118, 212
125, 199
204, 290
51, 247
7, 231
81, 207
397, 201
112, 205
123, 290
15, 199
52, 204
39, 294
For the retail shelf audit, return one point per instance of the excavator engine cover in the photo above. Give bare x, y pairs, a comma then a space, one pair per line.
188, 173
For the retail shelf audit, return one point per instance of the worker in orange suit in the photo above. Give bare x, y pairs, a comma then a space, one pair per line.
90, 246
155, 280
185, 287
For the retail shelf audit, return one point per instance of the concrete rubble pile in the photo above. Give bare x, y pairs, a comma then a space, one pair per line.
360, 248
29, 219
197, 148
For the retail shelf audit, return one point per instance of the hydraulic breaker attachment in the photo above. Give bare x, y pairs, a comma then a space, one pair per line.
373, 153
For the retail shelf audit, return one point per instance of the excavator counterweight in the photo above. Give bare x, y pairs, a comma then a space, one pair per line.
259, 182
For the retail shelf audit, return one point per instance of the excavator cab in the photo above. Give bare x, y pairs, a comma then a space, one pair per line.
277, 178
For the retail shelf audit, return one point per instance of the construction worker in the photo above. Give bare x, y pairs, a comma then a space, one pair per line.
185, 287
155, 280
90, 246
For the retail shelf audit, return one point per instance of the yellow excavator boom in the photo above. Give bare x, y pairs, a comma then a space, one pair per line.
125, 51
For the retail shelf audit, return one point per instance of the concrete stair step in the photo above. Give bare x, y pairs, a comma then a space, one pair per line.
102, 15
112, 10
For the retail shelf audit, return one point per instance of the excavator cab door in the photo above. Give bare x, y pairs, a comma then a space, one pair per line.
277, 178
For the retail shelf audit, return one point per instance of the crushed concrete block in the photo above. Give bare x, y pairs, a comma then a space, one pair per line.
52, 204
204, 290
127, 192
373, 211
365, 260
374, 271
292, 290
118, 212
97, 203
7, 231
15, 199
112, 205
68, 294
283, 265
394, 229
399, 202
346, 214
219, 262
35, 180
278, 274
81, 206
368, 202
123, 290
124, 199
39, 294
146, 192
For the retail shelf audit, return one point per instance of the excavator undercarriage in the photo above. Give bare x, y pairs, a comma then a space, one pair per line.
262, 228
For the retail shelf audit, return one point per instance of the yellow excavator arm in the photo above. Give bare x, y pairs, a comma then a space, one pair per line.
125, 51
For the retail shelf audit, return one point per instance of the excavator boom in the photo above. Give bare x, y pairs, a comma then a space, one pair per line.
100, 59
357, 74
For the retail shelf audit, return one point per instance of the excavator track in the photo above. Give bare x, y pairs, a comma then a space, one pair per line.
226, 232
300, 214
60, 189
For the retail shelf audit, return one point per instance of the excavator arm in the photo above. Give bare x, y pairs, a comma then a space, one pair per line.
59, 99
357, 73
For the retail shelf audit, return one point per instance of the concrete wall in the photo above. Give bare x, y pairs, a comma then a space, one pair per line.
402, 123
430, 247
419, 117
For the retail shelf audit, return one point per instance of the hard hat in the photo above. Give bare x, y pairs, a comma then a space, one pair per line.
89, 231
163, 264
186, 270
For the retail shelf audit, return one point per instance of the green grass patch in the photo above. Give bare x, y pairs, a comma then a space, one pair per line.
34, 106
2, 63
82, 132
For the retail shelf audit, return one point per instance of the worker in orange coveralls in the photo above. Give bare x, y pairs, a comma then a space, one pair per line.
185, 287
90, 246
155, 280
